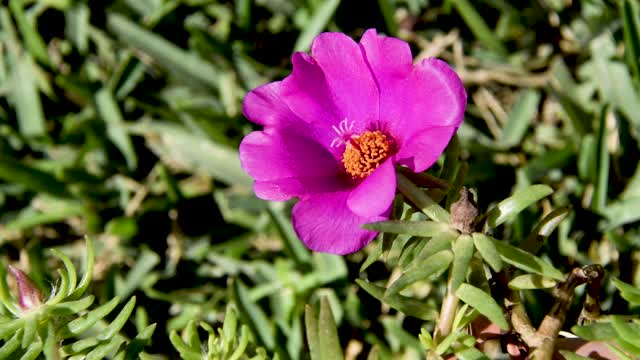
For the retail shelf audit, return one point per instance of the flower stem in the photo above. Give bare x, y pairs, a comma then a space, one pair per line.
421, 200
447, 311
553, 322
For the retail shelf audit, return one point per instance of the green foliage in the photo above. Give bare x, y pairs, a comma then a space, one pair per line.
322, 334
622, 334
484, 303
63, 326
122, 119
230, 342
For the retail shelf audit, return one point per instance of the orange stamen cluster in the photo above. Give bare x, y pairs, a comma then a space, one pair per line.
364, 153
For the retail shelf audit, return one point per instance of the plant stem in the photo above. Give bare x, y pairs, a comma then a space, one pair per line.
564, 292
447, 311
421, 200
520, 320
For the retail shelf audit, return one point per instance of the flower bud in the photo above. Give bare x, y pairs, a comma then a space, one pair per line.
29, 296
464, 212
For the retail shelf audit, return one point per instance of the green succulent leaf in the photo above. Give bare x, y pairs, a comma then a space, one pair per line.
88, 271
33, 350
462, 253
438, 243
627, 331
526, 261
10, 346
596, 331
572, 355
328, 340
484, 303
312, 332
9, 327
102, 350
412, 228
421, 270
543, 229
423, 201
63, 289
117, 324
471, 354
72, 307
509, 208
71, 271
629, 347
80, 345
82, 324
628, 292
401, 303
488, 251
30, 329
531, 281
186, 352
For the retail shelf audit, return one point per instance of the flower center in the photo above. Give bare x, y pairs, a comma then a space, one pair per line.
364, 153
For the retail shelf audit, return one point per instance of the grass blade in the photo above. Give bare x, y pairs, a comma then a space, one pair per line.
167, 54
31, 178
316, 24
520, 117
602, 164
387, 8
478, 26
179, 147
110, 113
146, 261
30, 35
291, 241
614, 81
631, 32
253, 315
26, 98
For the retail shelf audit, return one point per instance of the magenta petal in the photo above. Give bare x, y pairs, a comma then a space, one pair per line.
348, 77
324, 223
389, 58
374, 195
432, 96
288, 160
423, 149
285, 188
263, 105
307, 94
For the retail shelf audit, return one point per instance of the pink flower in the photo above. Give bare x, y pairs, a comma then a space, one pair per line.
336, 128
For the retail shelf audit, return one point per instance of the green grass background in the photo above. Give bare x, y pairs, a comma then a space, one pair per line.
121, 119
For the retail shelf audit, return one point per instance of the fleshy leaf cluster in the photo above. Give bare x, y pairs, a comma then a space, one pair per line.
65, 326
